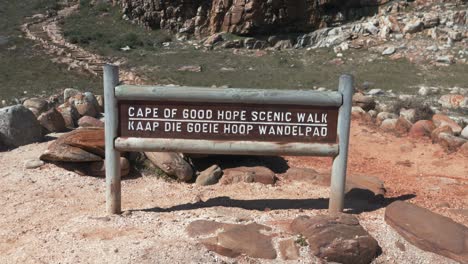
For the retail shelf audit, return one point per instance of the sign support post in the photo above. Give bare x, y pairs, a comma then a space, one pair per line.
340, 162
112, 158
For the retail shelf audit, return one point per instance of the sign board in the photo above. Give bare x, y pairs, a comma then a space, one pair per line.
235, 121
225, 121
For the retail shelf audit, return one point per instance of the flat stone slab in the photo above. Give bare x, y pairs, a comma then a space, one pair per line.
81, 145
429, 231
233, 240
338, 238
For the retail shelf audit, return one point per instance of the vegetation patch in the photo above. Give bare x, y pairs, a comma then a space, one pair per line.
24, 67
99, 27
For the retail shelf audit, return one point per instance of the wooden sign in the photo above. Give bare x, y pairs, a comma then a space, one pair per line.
227, 121
231, 122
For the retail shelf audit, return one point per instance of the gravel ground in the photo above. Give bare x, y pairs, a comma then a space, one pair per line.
50, 215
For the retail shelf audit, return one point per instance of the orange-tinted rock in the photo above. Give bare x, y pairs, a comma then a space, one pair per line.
248, 174
338, 238
88, 121
429, 231
58, 151
89, 139
402, 125
443, 120
81, 145
422, 128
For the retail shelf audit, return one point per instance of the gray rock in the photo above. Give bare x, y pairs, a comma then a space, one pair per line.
365, 102
389, 124
33, 163
284, 44
446, 59
374, 92
389, 50
372, 113
19, 126
89, 97
209, 176
385, 115
424, 90
371, 28
464, 133
413, 26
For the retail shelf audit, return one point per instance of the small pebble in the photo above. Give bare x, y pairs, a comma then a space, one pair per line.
33, 163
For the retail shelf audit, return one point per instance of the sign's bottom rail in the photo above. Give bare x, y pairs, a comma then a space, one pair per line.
197, 146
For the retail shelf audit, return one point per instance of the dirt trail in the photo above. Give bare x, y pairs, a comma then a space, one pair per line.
46, 31
50, 215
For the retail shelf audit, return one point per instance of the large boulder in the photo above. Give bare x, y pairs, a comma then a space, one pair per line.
81, 145
429, 231
19, 126
337, 238
173, 164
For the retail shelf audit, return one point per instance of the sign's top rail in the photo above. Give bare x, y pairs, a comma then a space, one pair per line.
229, 95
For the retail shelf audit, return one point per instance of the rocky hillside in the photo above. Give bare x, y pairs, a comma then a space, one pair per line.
245, 17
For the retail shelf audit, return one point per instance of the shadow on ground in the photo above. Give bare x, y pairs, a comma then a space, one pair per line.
352, 205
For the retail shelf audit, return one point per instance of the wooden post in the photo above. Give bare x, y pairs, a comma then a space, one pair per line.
338, 176
112, 160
